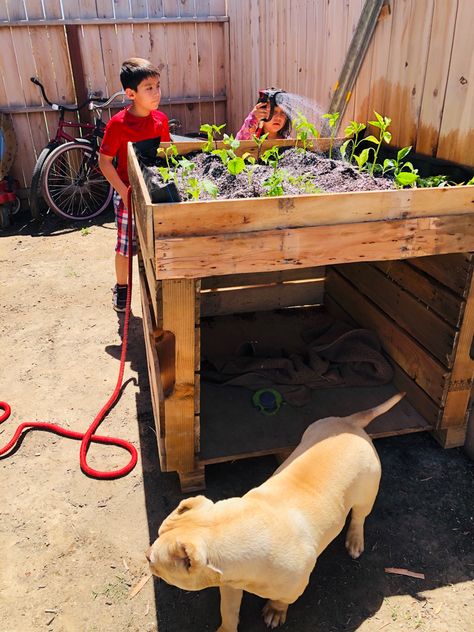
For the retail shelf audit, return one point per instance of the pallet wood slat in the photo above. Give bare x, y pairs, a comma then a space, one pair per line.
154, 371
425, 326
262, 251
451, 270
179, 302
420, 400
426, 289
459, 394
262, 298
425, 370
262, 278
213, 217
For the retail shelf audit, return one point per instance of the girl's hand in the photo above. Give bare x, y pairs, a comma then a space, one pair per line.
261, 111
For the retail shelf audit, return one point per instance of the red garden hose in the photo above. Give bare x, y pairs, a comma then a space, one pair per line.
89, 437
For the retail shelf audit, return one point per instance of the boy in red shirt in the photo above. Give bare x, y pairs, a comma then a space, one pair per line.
139, 121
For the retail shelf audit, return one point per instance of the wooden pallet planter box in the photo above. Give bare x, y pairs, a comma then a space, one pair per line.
215, 274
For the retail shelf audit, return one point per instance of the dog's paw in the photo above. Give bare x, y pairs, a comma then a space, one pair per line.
355, 543
273, 616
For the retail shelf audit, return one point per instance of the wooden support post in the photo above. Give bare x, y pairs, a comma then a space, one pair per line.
452, 428
179, 301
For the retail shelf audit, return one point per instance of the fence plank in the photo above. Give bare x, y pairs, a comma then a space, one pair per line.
434, 92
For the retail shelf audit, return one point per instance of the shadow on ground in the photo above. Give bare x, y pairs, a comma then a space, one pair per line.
423, 520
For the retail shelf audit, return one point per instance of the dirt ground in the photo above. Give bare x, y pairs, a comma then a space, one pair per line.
73, 547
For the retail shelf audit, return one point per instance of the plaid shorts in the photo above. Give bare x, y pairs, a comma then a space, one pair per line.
121, 221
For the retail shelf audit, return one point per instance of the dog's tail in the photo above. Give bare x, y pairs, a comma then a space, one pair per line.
363, 418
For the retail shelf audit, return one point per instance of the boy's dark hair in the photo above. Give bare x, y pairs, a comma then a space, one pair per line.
135, 70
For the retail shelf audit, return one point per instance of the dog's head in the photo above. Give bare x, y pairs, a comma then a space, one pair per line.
180, 555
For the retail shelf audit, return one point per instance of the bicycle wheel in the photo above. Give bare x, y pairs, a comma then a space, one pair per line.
74, 186
35, 197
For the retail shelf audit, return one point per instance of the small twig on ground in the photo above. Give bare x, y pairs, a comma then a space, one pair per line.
136, 589
404, 571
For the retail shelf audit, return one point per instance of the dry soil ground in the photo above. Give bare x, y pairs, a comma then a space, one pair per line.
72, 547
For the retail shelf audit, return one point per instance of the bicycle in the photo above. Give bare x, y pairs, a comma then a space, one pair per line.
67, 171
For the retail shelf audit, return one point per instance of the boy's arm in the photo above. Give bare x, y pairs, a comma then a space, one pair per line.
110, 174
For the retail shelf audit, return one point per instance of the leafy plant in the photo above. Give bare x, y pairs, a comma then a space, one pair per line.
272, 157
212, 131
259, 142
382, 123
274, 183
194, 187
169, 155
304, 128
304, 183
362, 158
352, 132
250, 167
332, 119
235, 164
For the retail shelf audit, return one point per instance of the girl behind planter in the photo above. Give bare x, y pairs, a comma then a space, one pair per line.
278, 126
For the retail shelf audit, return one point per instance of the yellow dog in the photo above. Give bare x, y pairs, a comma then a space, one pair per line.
268, 541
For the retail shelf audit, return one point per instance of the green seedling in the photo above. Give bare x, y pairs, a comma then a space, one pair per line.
85, 232
212, 131
194, 187
332, 119
250, 166
304, 183
362, 159
352, 132
382, 123
235, 164
274, 183
259, 142
304, 129
404, 173
169, 155
272, 157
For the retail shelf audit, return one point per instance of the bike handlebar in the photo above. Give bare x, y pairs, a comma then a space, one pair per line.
103, 103
57, 106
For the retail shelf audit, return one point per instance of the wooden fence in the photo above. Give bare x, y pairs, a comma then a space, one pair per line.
76, 47
216, 54
419, 68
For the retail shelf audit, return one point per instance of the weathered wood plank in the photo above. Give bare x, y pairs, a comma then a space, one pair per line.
261, 298
179, 299
452, 270
213, 217
262, 278
462, 376
426, 289
263, 251
154, 373
424, 325
419, 365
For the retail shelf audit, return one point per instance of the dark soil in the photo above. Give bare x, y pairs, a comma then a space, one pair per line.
322, 173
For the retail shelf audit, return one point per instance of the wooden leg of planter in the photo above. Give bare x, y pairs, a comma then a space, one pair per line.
180, 300
192, 481
451, 431
451, 437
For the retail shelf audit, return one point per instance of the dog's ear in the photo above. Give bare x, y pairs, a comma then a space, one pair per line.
192, 503
196, 502
190, 556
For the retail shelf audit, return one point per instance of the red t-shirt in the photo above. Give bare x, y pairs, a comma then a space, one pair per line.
125, 127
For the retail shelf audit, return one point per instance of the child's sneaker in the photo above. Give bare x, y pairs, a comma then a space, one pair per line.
119, 298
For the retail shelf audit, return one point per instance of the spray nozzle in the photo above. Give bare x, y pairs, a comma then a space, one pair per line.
269, 95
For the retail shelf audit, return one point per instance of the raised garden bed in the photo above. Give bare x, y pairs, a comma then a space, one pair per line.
213, 272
